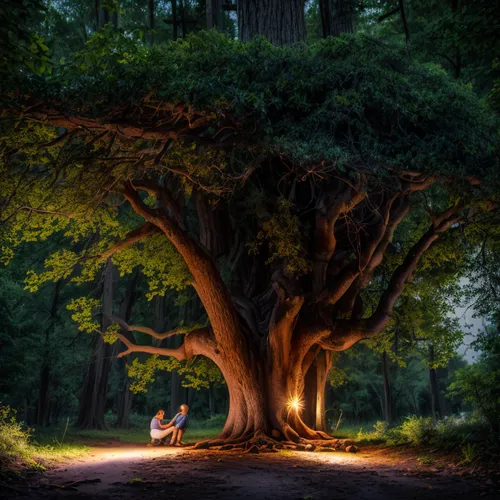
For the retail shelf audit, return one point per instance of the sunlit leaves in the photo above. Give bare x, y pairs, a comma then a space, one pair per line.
199, 372
109, 335
159, 261
84, 309
284, 235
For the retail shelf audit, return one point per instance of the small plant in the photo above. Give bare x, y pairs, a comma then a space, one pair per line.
360, 434
37, 466
426, 460
380, 429
469, 453
136, 480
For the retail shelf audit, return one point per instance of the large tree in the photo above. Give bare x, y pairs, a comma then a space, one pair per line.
271, 180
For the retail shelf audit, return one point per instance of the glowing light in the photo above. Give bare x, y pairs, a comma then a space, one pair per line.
295, 404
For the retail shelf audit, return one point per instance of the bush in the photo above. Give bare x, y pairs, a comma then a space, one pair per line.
414, 431
380, 429
215, 421
479, 385
15, 448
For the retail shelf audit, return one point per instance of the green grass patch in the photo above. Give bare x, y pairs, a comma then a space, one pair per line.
50, 435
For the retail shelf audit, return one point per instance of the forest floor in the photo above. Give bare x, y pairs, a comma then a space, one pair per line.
132, 470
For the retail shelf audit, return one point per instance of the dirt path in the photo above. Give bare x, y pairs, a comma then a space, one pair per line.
133, 471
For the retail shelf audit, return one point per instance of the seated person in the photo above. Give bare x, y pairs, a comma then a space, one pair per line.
180, 422
159, 431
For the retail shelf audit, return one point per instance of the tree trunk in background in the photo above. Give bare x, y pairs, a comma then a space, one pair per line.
437, 412
151, 21
336, 17
404, 20
212, 410
174, 20
387, 390
182, 18
96, 11
104, 17
323, 366
43, 406
95, 387
280, 21
125, 396
316, 378
215, 15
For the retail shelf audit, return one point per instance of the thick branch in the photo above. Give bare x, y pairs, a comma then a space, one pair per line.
327, 213
344, 333
178, 353
156, 335
196, 342
207, 281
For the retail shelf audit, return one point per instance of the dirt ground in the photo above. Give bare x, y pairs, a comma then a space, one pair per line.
135, 471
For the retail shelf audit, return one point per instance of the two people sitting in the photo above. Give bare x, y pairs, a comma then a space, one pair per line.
176, 427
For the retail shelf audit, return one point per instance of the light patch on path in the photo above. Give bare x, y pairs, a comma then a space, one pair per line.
176, 473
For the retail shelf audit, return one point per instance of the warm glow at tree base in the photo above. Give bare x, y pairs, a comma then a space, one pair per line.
295, 403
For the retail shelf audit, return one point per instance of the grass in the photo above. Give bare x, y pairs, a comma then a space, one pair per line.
132, 435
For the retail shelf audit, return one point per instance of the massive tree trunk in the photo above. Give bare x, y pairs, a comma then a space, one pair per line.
280, 21
95, 387
336, 17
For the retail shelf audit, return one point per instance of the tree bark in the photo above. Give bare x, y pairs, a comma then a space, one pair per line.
336, 17
125, 395
151, 20
387, 390
212, 408
436, 409
174, 21
280, 21
43, 406
215, 15
95, 387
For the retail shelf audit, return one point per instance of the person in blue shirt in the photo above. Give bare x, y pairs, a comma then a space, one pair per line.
176, 427
180, 422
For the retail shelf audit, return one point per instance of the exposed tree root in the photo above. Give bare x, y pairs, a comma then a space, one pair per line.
261, 442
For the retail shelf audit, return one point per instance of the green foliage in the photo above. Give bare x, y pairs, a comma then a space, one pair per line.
284, 234
417, 430
109, 335
20, 47
479, 384
159, 261
199, 372
83, 309
14, 441
215, 421
380, 429
469, 453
